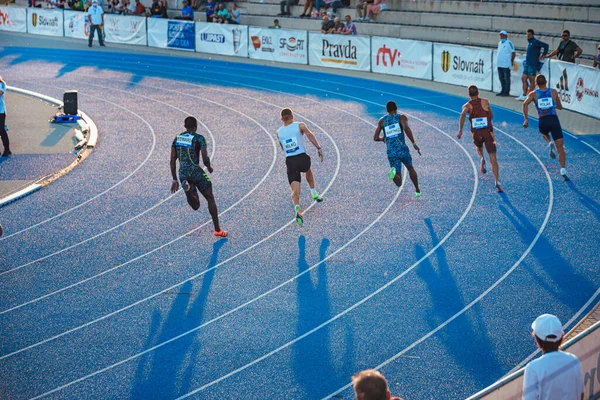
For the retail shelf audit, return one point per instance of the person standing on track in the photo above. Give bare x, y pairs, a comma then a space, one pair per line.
547, 102
187, 148
480, 119
296, 159
394, 127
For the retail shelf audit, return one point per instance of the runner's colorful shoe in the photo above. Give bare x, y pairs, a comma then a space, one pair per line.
185, 186
482, 166
563, 172
317, 198
552, 150
417, 195
499, 188
222, 233
392, 173
299, 219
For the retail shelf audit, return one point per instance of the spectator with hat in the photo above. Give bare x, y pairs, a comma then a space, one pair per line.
96, 17
504, 61
556, 374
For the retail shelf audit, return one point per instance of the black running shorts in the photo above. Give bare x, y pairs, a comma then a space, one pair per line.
296, 165
551, 124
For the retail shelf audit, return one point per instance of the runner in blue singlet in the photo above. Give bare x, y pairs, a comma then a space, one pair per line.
394, 126
547, 102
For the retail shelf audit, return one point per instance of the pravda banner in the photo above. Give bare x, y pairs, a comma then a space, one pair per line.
45, 22
577, 87
171, 34
401, 57
125, 29
13, 19
340, 51
516, 87
77, 24
279, 45
464, 66
223, 39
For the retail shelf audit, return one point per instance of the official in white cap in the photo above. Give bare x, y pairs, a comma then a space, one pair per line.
556, 375
504, 60
96, 16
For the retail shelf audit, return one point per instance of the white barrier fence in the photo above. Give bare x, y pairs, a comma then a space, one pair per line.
578, 86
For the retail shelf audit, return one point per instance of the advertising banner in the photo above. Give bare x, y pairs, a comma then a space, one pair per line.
13, 19
77, 24
402, 57
45, 22
340, 51
278, 45
577, 87
516, 87
464, 66
125, 29
171, 34
223, 39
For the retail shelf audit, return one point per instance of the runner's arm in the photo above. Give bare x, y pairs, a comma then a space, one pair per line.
206, 159
461, 121
376, 135
408, 131
528, 100
175, 183
557, 99
313, 139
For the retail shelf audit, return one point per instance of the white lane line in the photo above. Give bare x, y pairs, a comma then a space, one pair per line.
130, 219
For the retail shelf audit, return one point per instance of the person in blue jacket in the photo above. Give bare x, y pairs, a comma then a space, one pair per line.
536, 51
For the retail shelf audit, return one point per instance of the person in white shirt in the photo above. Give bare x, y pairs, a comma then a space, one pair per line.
504, 62
96, 16
556, 375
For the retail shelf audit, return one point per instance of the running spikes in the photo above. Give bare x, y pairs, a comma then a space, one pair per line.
392, 173
552, 150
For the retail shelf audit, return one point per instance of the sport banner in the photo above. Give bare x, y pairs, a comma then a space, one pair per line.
577, 87
279, 45
516, 87
223, 39
125, 29
171, 34
340, 51
401, 57
464, 66
45, 22
77, 24
13, 19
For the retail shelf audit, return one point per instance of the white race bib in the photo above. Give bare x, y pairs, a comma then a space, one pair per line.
392, 130
184, 141
545, 103
479, 123
291, 145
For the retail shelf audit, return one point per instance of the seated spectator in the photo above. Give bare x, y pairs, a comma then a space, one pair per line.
197, 4
221, 15
286, 6
130, 7
186, 12
140, 10
55, 4
209, 9
350, 27
567, 50
76, 5
556, 374
235, 15
275, 25
339, 25
110, 7
371, 385
308, 4
361, 9
374, 9
327, 26
333, 4
155, 11
120, 8
597, 59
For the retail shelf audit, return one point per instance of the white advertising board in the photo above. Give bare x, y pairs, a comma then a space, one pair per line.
171, 34
13, 19
279, 45
45, 22
223, 39
125, 29
516, 87
340, 51
77, 24
464, 66
577, 87
401, 57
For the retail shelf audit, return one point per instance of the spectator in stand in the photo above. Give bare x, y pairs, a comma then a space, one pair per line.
597, 59
55, 4
130, 7
235, 15
275, 25
120, 8
374, 9
350, 27
96, 17
221, 15
333, 4
76, 5
286, 7
556, 374
327, 26
504, 60
536, 51
567, 50
209, 9
197, 4
371, 385
186, 12
309, 5
361, 9
339, 25
112, 4
155, 10
140, 10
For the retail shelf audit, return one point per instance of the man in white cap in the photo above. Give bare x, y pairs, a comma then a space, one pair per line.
556, 374
96, 16
504, 61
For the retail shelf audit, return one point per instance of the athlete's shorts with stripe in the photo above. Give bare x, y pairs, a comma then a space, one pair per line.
551, 124
198, 181
484, 136
400, 156
296, 165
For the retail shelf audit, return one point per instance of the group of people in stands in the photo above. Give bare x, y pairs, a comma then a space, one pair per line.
215, 12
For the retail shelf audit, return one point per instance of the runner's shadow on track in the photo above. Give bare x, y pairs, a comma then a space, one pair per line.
592, 205
560, 279
161, 373
465, 339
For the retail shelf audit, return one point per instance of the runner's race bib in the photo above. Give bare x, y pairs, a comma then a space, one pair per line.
545, 103
479, 123
291, 145
392, 130
184, 141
